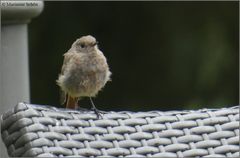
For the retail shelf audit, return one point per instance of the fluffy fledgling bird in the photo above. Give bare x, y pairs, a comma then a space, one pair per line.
84, 72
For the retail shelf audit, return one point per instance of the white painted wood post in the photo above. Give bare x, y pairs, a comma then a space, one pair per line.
14, 71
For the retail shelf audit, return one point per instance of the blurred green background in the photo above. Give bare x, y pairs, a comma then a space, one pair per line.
163, 55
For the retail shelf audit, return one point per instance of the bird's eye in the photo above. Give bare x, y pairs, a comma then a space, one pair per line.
82, 45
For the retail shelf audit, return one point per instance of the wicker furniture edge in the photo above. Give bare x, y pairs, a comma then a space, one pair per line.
30, 130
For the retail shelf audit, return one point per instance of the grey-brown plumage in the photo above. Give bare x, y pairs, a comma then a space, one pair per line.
84, 72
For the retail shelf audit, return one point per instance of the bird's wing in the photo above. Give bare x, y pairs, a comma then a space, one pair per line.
67, 57
63, 95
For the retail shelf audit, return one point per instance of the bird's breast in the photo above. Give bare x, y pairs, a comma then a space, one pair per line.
87, 74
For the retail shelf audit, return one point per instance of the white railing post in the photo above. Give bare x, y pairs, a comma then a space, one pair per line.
14, 71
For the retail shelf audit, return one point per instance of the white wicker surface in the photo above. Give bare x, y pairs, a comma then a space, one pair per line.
43, 131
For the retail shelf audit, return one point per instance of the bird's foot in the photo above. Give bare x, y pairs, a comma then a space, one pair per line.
99, 113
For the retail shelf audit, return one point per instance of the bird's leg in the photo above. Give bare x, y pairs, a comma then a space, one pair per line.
97, 112
71, 102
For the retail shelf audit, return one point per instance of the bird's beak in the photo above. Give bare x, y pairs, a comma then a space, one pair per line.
94, 44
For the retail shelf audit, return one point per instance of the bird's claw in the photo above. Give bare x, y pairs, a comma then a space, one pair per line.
99, 113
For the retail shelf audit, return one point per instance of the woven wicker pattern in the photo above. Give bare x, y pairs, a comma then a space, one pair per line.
39, 131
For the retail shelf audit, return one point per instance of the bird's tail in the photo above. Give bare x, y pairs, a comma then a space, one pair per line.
72, 102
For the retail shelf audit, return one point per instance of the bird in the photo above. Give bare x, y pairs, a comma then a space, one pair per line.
84, 72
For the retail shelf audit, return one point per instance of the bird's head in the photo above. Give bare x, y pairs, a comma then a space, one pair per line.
85, 44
